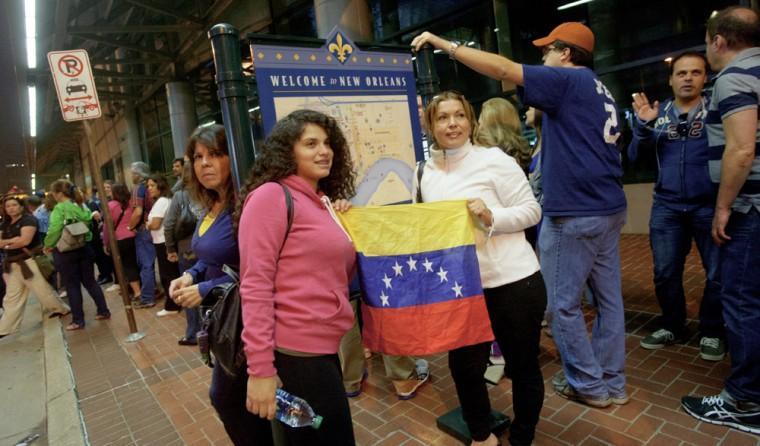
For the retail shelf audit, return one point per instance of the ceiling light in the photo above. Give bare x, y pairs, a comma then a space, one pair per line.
32, 111
31, 33
572, 4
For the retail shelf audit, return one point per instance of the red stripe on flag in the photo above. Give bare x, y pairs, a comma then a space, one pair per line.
426, 329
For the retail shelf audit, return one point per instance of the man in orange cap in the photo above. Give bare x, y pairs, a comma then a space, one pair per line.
584, 205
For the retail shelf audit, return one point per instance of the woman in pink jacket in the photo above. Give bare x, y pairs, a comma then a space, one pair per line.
294, 283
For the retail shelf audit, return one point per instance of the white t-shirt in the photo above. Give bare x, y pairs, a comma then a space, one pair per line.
159, 210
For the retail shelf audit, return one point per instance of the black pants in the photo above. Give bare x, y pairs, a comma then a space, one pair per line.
319, 381
228, 398
77, 269
515, 311
167, 271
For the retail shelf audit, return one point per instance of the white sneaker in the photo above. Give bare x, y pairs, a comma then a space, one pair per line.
113, 287
163, 313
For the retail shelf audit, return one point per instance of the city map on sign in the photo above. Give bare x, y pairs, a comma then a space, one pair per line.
379, 133
371, 95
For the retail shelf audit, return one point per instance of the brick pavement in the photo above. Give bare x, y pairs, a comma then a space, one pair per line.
155, 392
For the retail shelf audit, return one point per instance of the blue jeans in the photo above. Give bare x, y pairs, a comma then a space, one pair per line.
146, 260
740, 270
670, 235
576, 251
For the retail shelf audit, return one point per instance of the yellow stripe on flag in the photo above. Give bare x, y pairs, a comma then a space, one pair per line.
409, 228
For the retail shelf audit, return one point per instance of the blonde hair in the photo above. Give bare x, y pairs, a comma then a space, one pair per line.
450, 95
500, 127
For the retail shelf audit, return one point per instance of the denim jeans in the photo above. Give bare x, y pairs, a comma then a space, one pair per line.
740, 270
670, 235
146, 259
576, 251
77, 269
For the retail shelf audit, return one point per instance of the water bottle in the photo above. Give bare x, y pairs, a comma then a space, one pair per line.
295, 412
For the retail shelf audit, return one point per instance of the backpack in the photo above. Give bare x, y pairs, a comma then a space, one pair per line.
222, 316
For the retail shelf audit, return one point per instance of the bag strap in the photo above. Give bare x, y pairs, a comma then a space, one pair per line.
291, 211
420, 171
116, 226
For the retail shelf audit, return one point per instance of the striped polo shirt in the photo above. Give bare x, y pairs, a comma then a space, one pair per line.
737, 88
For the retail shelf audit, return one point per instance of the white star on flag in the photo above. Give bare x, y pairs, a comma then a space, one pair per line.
428, 265
384, 299
457, 288
387, 281
412, 264
398, 269
442, 274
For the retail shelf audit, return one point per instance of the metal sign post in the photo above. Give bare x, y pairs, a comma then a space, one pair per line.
78, 99
126, 298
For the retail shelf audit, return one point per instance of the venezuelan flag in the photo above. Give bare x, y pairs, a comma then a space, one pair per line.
420, 277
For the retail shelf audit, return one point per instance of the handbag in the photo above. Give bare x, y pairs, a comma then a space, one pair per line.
73, 236
44, 264
185, 225
222, 317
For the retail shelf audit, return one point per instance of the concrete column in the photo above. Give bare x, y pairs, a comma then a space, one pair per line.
353, 16
132, 152
182, 116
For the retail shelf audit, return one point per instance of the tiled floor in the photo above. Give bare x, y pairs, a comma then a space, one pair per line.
155, 392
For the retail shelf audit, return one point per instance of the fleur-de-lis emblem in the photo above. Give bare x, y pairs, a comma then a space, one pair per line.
340, 49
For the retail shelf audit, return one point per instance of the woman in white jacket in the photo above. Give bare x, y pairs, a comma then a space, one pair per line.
501, 200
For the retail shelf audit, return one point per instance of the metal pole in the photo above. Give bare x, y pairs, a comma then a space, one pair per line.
134, 335
233, 98
428, 84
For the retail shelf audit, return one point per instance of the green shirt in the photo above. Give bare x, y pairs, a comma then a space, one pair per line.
66, 212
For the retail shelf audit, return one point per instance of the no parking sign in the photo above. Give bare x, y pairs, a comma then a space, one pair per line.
72, 75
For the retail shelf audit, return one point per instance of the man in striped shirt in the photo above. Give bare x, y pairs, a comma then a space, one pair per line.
733, 49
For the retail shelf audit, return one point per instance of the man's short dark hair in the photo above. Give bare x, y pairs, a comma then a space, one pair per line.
179, 160
738, 25
693, 54
578, 56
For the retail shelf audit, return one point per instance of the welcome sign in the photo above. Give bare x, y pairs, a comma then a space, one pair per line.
371, 95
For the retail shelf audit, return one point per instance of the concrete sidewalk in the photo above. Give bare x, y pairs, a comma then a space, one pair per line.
39, 400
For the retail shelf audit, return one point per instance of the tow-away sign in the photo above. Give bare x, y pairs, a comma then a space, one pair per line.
72, 75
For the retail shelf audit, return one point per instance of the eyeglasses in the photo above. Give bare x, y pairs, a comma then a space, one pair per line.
548, 49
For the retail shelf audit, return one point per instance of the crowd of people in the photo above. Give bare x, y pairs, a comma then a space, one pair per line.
549, 218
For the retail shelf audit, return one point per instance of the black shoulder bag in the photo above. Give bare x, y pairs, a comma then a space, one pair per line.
222, 316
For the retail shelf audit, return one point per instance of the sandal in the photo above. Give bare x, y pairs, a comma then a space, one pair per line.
59, 314
72, 326
100, 317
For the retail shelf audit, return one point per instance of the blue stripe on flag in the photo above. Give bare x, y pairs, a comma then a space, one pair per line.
420, 278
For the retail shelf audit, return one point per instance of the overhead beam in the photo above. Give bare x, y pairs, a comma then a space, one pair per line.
127, 29
123, 82
117, 75
151, 6
112, 95
131, 61
128, 46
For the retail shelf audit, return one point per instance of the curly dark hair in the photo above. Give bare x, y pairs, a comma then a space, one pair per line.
277, 160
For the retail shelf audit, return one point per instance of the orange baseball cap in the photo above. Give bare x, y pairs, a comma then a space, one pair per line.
574, 33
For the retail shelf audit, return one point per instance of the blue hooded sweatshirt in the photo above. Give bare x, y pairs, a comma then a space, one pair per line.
680, 141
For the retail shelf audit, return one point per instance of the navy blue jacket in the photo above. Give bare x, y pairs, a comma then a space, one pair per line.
683, 181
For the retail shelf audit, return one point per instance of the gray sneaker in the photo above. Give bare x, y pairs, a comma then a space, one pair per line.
658, 339
712, 349
565, 390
